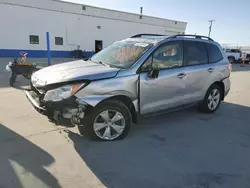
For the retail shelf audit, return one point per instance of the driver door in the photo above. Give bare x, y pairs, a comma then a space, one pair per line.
167, 90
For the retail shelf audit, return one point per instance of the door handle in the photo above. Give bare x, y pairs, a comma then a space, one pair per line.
210, 70
182, 75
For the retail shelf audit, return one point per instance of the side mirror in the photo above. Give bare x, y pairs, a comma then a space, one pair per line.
153, 72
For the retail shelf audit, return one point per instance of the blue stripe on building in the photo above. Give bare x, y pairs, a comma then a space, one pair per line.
41, 53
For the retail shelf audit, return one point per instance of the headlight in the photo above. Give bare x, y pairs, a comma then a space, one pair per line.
62, 92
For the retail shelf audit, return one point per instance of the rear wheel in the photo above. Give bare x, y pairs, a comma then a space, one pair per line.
212, 99
108, 121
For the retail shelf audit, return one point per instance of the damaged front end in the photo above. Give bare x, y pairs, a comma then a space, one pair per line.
58, 102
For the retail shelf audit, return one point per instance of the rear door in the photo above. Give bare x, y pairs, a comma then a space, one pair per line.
198, 70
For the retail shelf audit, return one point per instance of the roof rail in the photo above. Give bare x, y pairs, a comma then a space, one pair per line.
147, 34
195, 36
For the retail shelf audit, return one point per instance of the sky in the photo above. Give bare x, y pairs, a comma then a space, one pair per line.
232, 25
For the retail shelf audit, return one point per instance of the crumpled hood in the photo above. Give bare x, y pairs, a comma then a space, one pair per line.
72, 71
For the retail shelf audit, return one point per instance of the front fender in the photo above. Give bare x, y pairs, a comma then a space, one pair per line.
93, 100
96, 99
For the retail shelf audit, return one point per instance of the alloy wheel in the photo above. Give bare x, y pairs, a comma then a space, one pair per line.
214, 99
109, 124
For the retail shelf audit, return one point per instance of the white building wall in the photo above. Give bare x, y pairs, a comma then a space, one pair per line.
77, 26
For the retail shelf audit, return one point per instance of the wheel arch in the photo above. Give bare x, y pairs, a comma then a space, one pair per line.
132, 105
231, 56
222, 86
128, 102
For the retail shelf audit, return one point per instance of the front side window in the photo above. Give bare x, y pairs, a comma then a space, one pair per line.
214, 53
147, 64
122, 54
195, 53
168, 56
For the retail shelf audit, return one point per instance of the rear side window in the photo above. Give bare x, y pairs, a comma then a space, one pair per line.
195, 53
214, 53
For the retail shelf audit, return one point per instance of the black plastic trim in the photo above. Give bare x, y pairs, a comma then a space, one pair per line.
195, 36
148, 34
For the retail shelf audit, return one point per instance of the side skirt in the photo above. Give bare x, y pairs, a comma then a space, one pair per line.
170, 110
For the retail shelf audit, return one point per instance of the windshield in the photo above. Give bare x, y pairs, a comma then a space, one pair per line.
122, 54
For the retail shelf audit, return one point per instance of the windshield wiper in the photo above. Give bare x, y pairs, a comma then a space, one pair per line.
100, 62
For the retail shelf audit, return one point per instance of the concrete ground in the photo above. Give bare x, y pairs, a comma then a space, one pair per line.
185, 149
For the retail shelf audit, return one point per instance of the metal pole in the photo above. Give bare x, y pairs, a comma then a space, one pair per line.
210, 27
141, 12
48, 48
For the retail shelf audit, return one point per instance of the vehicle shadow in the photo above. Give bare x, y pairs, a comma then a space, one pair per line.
239, 68
23, 164
182, 149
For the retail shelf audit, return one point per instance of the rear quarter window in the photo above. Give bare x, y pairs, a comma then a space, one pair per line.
214, 53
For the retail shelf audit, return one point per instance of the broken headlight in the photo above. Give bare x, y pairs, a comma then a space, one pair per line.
63, 92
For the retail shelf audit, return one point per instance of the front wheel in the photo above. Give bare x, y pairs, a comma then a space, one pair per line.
212, 99
108, 121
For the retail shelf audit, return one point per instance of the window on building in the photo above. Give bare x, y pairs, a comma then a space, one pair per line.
58, 40
214, 53
34, 39
195, 53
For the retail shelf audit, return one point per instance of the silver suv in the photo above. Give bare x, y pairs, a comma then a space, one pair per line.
139, 76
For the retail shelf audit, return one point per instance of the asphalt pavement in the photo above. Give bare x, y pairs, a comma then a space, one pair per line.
185, 149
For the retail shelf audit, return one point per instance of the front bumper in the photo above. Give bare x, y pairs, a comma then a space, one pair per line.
65, 109
34, 100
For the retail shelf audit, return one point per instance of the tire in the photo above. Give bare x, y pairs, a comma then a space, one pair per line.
109, 108
205, 105
231, 60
